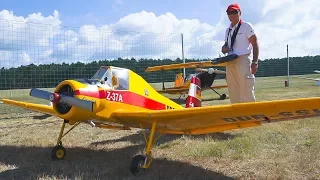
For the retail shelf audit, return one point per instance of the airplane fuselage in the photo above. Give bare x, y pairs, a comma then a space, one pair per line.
131, 92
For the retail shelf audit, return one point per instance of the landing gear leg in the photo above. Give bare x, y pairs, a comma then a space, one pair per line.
144, 161
59, 152
222, 96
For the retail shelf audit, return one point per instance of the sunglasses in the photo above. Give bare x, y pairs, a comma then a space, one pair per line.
232, 12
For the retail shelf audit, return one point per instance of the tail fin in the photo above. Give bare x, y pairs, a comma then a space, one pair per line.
194, 95
179, 80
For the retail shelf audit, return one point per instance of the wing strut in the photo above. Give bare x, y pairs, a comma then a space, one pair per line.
222, 96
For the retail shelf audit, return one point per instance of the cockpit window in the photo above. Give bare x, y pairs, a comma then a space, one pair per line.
123, 78
103, 75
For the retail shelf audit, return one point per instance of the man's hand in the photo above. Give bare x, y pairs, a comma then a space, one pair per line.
254, 68
225, 49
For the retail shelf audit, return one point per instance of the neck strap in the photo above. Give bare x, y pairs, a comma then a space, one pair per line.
234, 34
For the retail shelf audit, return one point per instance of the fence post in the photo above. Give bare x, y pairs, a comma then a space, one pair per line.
184, 70
288, 82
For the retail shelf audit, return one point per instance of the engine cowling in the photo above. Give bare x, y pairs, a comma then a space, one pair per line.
76, 101
62, 107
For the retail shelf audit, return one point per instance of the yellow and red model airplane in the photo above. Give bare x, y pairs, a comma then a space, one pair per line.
181, 84
118, 98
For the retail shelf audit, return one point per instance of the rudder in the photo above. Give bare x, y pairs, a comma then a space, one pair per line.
194, 95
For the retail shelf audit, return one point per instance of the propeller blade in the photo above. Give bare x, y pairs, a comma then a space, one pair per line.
219, 72
82, 104
211, 70
202, 70
40, 94
55, 97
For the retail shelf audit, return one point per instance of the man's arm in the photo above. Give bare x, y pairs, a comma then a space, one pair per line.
225, 48
254, 42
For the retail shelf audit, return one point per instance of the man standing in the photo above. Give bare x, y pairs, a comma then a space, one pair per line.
240, 39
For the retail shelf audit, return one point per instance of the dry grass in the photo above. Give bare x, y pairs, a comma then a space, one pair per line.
285, 150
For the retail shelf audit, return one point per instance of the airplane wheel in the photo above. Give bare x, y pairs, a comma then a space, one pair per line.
223, 97
137, 163
58, 152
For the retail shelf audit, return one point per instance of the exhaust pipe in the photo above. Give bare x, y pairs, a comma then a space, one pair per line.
91, 123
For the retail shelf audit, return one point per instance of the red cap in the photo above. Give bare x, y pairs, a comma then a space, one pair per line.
233, 7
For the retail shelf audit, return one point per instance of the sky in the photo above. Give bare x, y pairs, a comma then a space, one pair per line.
40, 31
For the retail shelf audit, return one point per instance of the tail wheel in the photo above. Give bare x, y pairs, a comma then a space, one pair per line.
137, 163
58, 152
223, 97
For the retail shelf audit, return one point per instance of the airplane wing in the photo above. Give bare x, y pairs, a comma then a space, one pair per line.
32, 106
221, 61
174, 90
308, 78
184, 65
184, 90
201, 120
219, 86
314, 79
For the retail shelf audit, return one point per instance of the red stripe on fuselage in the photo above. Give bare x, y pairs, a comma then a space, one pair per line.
126, 97
135, 99
91, 93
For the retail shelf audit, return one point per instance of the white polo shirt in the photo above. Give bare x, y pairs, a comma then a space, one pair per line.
241, 45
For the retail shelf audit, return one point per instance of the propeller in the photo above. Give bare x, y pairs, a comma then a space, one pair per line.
211, 71
82, 104
60, 98
38, 93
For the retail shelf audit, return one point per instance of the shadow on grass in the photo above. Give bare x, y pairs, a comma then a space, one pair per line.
165, 138
41, 117
138, 138
219, 136
23, 116
82, 163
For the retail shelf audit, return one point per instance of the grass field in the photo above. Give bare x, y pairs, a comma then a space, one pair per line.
285, 150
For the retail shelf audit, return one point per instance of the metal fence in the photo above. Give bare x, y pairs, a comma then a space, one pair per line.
30, 51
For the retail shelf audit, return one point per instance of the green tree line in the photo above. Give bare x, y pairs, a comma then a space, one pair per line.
50, 75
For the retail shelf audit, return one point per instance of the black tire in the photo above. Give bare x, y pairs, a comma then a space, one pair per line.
137, 163
58, 152
223, 97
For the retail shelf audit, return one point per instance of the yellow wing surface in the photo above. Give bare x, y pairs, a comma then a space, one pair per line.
201, 120
221, 61
184, 65
185, 89
36, 107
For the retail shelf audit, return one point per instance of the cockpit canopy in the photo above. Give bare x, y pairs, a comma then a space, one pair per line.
115, 77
